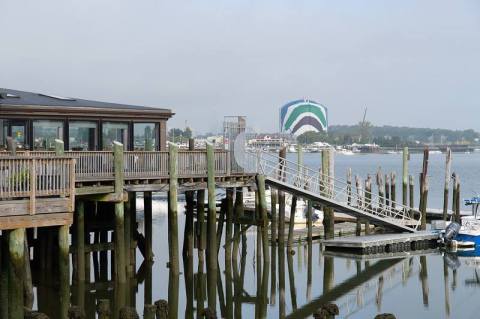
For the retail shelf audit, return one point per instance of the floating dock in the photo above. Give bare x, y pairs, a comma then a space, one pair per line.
384, 243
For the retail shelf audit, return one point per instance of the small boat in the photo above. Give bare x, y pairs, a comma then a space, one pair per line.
470, 228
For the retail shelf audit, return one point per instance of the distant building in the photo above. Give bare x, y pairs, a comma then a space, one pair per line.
300, 116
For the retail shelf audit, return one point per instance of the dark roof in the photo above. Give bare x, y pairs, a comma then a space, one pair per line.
22, 98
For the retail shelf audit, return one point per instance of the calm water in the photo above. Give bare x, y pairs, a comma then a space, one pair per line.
418, 286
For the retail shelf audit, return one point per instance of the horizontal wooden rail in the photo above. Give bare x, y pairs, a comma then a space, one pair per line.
98, 165
33, 177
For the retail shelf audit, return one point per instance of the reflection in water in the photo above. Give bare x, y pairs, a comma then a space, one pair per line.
359, 287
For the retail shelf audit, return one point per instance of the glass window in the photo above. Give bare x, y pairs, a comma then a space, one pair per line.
82, 136
3, 134
15, 129
45, 133
111, 132
144, 136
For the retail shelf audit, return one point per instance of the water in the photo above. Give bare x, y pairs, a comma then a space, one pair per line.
419, 286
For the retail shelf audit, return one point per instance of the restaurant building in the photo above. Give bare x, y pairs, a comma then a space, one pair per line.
35, 120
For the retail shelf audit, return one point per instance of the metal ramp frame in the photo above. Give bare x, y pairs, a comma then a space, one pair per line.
332, 192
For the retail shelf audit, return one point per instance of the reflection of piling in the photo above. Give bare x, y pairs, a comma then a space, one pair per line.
424, 279
328, 274
291, 277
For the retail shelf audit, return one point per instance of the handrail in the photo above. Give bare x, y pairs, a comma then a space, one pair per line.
22, 177
305, 178
98, 165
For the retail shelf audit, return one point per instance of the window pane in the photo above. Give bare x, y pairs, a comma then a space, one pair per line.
3, 134
14, 128
144, 136
45, 133
114, 132
82, 136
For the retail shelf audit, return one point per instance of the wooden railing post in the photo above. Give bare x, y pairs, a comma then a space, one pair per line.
33, 185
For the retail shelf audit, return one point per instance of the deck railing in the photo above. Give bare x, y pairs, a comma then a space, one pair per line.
36, 177
98, 165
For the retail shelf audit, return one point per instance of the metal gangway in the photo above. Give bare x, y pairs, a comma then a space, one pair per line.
329, 191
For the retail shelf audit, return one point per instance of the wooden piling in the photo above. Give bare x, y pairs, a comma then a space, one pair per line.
454, 193
457, 201
4, 273
309, 221
411, 190
327, 176
424, 190
448, 167
291, 223
387, 190
238, 214
119, 214
64, 270
202, 230
173, 209
349, 186
16, 245
381, 189
264, 217
406, 157
368, 201
273, 213
393, 188
281, 200
103, 309
80, 240
211, 233
147, 204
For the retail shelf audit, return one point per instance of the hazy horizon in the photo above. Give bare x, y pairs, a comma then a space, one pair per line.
411, 63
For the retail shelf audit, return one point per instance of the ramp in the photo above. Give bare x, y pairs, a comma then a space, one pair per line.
332, 192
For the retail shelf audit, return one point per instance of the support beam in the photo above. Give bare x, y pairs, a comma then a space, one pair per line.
15, 279
173, 211
147, 200
211, 232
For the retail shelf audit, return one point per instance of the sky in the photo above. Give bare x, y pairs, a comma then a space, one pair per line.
411, 63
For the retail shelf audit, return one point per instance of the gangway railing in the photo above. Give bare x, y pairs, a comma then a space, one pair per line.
330, 189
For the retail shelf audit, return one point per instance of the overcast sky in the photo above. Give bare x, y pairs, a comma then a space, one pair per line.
412, 63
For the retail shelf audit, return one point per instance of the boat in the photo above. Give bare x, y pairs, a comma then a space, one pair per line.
470, 227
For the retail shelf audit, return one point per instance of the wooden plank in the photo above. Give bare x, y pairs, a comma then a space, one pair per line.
43, 206
39, 220
88, 190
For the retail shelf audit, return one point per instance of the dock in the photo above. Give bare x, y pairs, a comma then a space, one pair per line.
381, 243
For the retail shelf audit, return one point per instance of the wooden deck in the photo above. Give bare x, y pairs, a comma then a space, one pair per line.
37, 185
